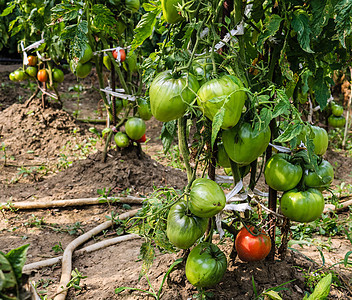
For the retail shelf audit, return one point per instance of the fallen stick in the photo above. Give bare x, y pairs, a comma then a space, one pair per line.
339, 208
67, 256
70, 202
97, 246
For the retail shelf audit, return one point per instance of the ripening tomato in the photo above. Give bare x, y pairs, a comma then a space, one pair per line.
251, 247
42, 75
142, 139
32, 71
122, 54
32, 60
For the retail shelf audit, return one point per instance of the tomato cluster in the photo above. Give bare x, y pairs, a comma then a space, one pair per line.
134, 130
336, 118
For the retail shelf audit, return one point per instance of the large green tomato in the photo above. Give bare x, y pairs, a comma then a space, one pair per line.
337, 122
206, 265
213, 94
87, 56
135, 128
281, 174
302, 206
170, 96
206, 198
183, 228
244, 145
321, 177
320, 140
170, 12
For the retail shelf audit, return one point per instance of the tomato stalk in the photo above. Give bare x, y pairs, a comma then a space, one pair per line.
183, 145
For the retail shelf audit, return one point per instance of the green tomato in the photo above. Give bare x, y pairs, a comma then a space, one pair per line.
132, 5
337, 110
143, 108
302, 206
213, 94
135, 128
58, 75
321, 177
320, 140
206, 265
243, 145
170, 96
12, 76
83, 70
183, 228
88, 54
20, 75
281, 174
170, 12
337, 122
121, 139
32, 71
206, 198
221, 157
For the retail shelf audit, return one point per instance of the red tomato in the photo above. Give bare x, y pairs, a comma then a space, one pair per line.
250, 247
42, 75
142, 139
122, 54
32, 60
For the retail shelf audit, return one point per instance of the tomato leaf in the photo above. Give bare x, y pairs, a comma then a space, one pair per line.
321, 10
300, 24
343, 11
144, 28
322, 289
291, 131
8, 10
321, 88
147, 253
168, 132
272, 295
217, 122
264, 120
104, 20
17, 259
271, 27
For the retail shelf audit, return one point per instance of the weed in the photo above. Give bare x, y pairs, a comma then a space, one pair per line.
58, 248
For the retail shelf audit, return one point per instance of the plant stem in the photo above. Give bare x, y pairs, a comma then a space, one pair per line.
183, 145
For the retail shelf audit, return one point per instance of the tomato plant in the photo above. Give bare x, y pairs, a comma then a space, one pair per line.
206, 265
184, 228
251, 247
281, 173
302, 206
42, 75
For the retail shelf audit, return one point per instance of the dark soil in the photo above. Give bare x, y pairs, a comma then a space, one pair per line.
53, 138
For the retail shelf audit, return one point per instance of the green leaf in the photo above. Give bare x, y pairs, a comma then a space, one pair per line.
345, 260
147, 253
217, 122
300, 24
272, 25
272, 295
17, 259
285, 65
104, 20
168, 132
281, 108
322, 289
305, 75
105, 131
291, 131
321, 11
8, 277
265, 117
343, 19
8, 10
66, 11
321, 88
144, 28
